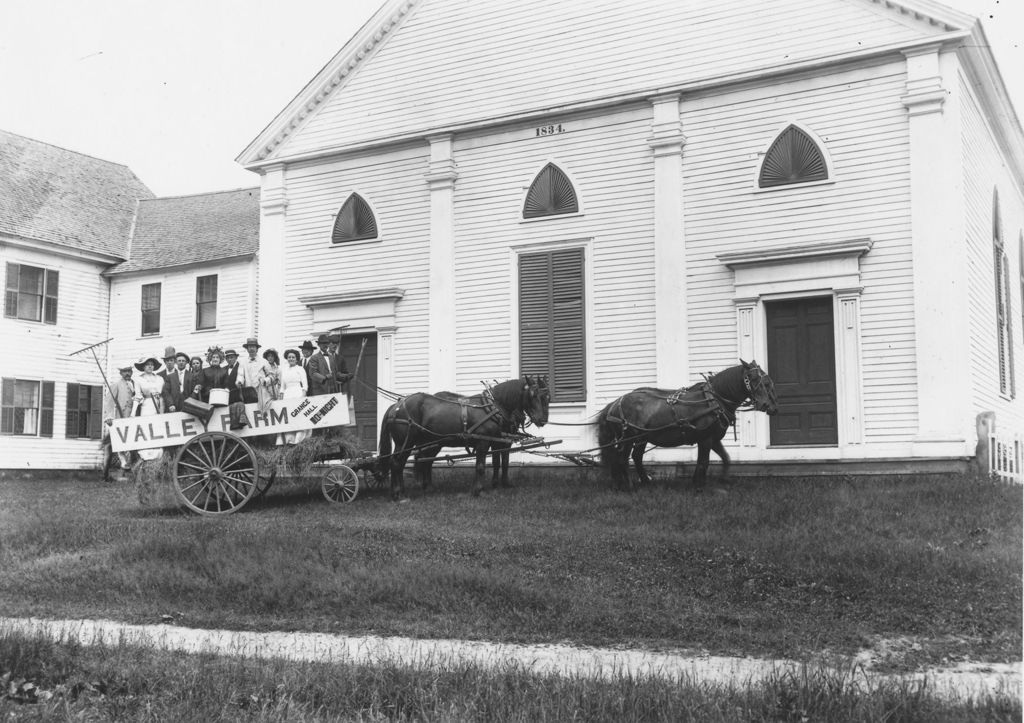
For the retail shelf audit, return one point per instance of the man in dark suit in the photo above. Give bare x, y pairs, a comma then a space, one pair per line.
177, 383
169, 357
307, 350
341, 375
231, 357
321, 368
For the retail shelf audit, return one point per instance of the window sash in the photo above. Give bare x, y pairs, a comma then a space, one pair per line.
206, 302
30, 293
150, 308
84, 411
26, 408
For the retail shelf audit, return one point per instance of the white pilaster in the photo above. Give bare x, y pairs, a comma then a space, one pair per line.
270, 300
937, 233
385, 367
667, 142
441, 180
848, 370
746, 310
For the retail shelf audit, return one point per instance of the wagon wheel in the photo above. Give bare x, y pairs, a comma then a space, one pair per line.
215, 473
340, 484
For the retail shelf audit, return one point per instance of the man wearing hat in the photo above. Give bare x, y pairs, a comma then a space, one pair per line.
121, 394
321, 368
232, 368
169, 356
341, 375
248, 372
177, 383
307, 350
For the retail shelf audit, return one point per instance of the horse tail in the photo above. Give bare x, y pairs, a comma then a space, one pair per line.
384, 445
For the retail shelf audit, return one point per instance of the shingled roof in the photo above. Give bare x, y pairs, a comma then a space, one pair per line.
199, 228
51, 194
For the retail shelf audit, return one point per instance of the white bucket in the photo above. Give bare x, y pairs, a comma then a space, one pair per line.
219, 397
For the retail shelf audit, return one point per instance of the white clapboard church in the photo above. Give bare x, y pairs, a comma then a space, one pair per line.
624, 194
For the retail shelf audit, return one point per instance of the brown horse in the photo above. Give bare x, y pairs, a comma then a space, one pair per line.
424, 423
699, 415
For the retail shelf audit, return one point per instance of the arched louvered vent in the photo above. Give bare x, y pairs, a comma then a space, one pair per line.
551, 194
355, 221
792, 158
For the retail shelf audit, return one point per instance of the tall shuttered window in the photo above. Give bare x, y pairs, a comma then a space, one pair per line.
30, 293
551, 321
206, 302
150, 309
1004, 316
355, 221
793, 157
26, 407
550, 194
84, 417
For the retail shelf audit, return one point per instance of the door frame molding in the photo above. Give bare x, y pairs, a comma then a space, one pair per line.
825, 269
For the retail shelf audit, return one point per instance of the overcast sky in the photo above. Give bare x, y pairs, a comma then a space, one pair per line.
175, 89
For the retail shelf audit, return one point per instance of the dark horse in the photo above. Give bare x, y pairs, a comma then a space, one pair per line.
424, 423
699, 415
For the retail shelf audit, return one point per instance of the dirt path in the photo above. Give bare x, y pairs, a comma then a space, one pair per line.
961, 680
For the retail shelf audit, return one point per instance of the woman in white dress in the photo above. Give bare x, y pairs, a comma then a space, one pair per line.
148, 401
268, 380
293, 386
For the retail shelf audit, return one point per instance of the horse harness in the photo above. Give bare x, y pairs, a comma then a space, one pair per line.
713, 405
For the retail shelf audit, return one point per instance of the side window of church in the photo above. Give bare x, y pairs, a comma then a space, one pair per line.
26, 407
84, 417
552, 322
30, 293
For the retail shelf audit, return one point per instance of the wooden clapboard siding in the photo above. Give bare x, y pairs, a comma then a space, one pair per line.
607, 158
38, 351
858, 116
490, 60
236, 299
985, 170
393, 183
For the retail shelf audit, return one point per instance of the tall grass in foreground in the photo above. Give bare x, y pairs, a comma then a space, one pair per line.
66, 681
775, 567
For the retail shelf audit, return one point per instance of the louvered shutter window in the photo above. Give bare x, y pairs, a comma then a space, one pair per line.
793, 158
551, 321
355, 221
551, 194
46, 413
71, 418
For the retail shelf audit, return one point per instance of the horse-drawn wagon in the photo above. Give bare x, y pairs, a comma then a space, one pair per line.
216, 464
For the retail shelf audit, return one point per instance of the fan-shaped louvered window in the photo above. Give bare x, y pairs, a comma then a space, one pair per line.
551, 194
793, 158
355, 221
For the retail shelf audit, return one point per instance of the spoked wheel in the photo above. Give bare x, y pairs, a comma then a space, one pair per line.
215, 473
340, 484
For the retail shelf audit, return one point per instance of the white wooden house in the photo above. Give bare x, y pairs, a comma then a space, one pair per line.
64, 218
190, 277
619, 194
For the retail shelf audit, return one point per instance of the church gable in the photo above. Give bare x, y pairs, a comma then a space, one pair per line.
440, 64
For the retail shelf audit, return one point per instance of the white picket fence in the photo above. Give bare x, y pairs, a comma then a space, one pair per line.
1006, 457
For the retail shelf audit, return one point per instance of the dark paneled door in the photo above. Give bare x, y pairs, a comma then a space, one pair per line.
802, 362
363, 391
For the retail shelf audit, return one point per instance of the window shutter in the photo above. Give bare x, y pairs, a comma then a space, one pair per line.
552, 321
793, 158
71, 418
46, 413
96, 412
550, 194
355, 221
11, 291
7, 406
50, 301
1008, 325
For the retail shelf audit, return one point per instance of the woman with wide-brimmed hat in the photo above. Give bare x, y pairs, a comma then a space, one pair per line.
148, 388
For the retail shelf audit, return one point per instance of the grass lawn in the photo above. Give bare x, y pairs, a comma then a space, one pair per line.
773, 567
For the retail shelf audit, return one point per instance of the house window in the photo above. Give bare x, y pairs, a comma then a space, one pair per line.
793, 157
1004, 325
551, 321
150, 309
31, 293
84, 412
551, 194
26, 407
206, 302
355, 221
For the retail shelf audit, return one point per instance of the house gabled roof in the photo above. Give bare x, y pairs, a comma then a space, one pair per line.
53, 195
420, 67
200, 228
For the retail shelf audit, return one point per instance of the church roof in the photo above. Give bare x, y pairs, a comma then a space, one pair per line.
200, 228
54, 195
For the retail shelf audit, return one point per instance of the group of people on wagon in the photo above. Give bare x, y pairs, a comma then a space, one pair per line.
223, 378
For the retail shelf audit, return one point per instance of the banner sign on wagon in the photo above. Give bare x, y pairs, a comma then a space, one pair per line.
284, 415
